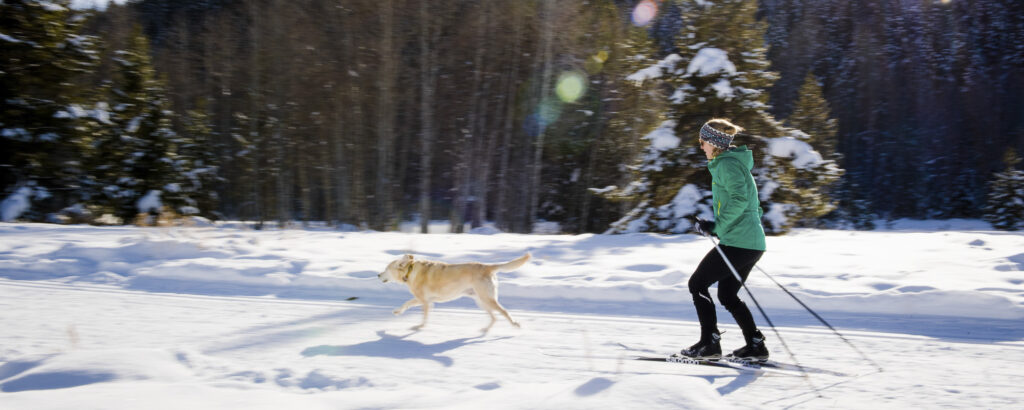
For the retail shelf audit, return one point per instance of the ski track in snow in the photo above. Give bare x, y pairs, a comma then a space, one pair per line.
130, 318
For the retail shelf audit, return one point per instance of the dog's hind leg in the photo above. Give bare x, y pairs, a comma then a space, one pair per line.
488, 309
505, 313
487, 293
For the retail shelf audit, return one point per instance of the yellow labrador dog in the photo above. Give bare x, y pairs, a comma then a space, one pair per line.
431, 281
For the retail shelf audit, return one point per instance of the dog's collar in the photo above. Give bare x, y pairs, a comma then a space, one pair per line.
408, 272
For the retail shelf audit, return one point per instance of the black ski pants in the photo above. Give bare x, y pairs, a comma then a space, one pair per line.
713, 269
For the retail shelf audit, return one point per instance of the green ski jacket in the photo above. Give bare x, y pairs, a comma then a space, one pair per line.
737, 208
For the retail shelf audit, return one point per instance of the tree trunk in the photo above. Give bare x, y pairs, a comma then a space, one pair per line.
486, 141
545, 89
385, 119
511, 76
588, 175
428, 75
302, 162
465, 194
254, 114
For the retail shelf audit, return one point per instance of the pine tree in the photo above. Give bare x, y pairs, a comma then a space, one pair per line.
43, 112
1005, 208
140, 153
198, 163
813, 116
813, 190
603, 125
639, 110
796, 184
662, 205
720, 71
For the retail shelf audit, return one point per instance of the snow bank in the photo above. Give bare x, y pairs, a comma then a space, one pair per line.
919, 270
81, 368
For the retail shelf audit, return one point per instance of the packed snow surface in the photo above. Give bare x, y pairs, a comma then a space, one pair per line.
230, 317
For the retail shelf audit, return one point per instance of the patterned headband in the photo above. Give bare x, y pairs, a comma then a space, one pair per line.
715, 137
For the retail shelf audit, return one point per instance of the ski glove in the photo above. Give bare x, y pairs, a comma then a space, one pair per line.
706, 228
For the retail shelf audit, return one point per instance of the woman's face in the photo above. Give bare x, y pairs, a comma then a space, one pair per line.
708, 148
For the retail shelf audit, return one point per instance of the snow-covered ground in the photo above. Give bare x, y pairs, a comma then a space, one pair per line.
226, 317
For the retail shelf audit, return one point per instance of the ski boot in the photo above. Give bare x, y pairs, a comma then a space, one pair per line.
705, 350
754, 351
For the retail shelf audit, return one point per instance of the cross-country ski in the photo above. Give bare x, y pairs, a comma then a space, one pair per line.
740, 364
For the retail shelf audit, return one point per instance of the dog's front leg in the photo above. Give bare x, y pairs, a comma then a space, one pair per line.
410, 304
426, 313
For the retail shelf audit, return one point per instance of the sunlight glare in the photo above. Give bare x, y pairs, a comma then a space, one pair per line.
571, 86
644, 12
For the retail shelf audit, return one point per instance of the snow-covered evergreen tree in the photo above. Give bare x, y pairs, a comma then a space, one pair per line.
139, 165
197, 162
812, 115
635, 108
795, 183
661, 204
814, 190
1005, 208
42, 109
719, 71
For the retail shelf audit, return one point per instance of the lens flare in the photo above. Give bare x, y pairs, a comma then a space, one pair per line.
549, 111
571, 86
644, 12
595, 63
546, 113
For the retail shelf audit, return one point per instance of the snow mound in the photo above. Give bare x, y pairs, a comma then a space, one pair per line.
80, 368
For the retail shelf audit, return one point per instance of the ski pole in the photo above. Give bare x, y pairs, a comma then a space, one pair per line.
822, 320
766, 318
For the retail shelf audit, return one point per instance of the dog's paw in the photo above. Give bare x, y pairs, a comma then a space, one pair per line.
417, 327
397, 312
517, 325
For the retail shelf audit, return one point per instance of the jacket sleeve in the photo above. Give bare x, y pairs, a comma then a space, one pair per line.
734, 179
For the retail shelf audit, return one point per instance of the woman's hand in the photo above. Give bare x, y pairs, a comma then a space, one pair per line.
706, 228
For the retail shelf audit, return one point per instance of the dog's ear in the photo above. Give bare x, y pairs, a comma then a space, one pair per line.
405, 261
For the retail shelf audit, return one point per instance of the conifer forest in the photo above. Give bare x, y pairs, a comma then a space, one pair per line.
585, 113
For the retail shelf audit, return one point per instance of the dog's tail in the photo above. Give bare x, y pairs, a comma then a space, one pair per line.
512, 264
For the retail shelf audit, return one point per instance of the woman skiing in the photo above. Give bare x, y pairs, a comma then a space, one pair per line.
738, 225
